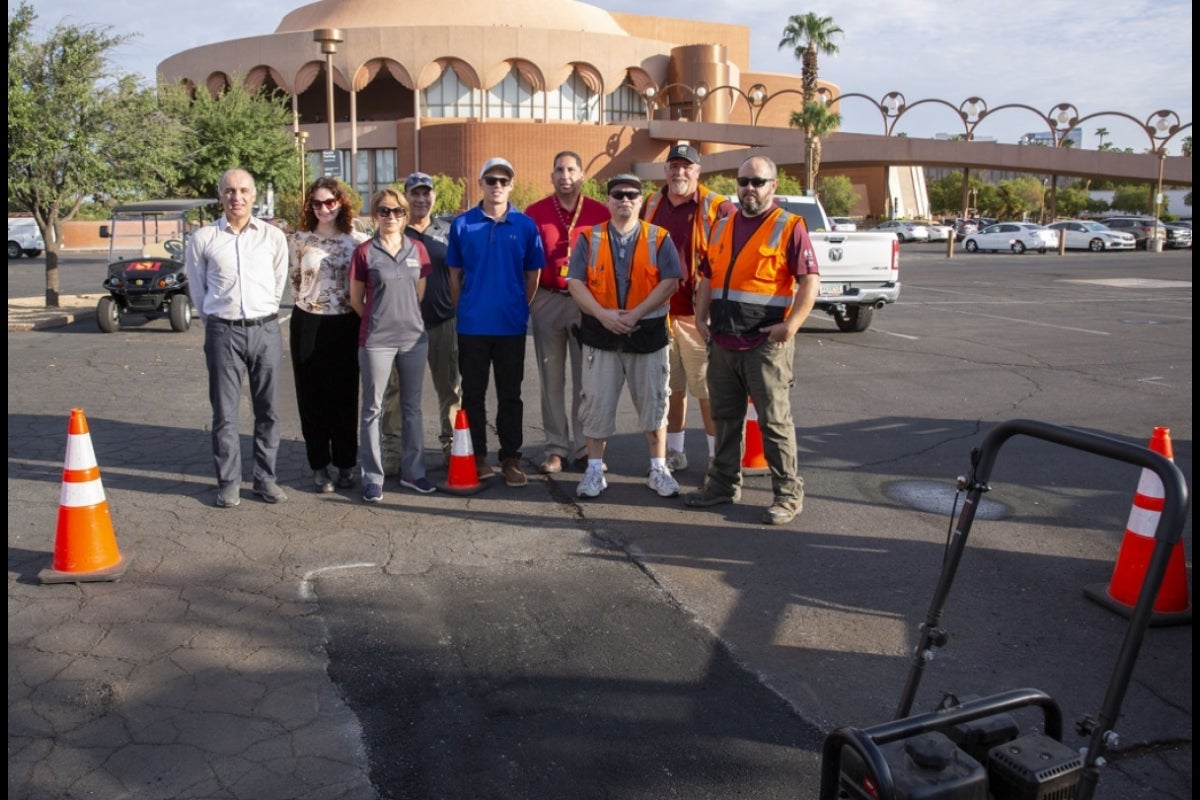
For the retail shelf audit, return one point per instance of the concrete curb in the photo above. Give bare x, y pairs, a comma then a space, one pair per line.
32, 314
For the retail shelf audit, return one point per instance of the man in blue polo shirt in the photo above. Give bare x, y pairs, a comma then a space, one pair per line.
494, 255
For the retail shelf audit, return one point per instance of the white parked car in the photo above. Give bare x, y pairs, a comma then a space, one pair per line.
1087, 235
904, 230
1016, 237
940, 233
843, 224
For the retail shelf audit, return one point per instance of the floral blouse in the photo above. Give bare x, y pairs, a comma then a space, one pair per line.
319, 269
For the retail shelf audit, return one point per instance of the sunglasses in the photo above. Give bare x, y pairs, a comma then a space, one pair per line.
495, 180
326, 204
386, 212
757, 183
626, 195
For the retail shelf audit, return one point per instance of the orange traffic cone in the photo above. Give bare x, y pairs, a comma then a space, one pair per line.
85, 547
461, 477
1172, 605
754, 462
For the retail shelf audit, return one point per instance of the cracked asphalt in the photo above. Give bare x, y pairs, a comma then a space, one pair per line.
520, 644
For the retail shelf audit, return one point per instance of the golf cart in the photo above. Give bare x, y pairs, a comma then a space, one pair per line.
146, 275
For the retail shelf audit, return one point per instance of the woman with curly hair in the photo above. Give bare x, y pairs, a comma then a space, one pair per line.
324, 333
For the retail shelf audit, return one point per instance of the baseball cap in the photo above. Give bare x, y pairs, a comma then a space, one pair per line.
624, 180
497, 163
417, 179
684, 151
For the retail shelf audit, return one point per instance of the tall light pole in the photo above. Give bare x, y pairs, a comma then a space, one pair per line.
329, 38
302, 143
1158, 197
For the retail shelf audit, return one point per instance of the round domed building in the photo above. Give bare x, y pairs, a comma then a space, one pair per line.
442, 87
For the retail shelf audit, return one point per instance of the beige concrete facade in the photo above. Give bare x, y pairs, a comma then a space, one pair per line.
631, 69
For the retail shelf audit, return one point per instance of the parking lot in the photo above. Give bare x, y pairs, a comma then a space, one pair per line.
523, 644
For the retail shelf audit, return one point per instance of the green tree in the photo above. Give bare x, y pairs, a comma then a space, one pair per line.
1185, 147
723, 184
450, 193
1132, 199
235, 129
809, 36
75, 131
816, 120
595, 190
838, 195
1101, 133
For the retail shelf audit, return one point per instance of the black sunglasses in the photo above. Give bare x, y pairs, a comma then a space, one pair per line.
495, 180
757, 183
626, 195
330, 203
386, 212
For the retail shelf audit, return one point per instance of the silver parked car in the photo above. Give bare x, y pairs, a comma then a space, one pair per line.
1016, 237
1083, 234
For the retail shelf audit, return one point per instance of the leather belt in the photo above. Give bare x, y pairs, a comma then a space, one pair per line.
248, 323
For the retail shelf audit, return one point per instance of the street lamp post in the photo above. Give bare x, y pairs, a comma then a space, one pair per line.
1158, 197
302, 143
329, 38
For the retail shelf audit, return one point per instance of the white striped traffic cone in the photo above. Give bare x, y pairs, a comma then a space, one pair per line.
1172, 606
85, 547
462, 478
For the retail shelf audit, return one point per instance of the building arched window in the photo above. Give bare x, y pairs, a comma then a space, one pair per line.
515, 98
574, 101
625, 103
449, 96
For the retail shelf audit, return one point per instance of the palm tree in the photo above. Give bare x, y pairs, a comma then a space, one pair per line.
1185, 149
1101, 132
808, 35
816, 120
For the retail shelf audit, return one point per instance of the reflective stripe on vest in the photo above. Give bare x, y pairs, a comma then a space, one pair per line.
639, 286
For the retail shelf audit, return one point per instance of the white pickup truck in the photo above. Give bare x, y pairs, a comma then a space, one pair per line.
860, 272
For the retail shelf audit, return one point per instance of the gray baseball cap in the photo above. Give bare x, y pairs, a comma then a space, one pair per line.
497, 163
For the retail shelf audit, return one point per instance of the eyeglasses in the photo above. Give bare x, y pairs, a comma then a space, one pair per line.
326, 204
386, 212
757, 183
627, 195
495, 180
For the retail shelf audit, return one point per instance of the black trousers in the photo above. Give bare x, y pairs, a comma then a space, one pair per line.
324, 351
505, 357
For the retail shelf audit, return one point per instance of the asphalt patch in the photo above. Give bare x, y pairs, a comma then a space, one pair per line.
581, 680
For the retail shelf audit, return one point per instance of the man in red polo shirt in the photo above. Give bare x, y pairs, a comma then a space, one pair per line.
555, 315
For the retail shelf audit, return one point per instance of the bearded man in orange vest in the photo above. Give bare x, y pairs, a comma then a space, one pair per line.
757, 285
622, 274
688, 211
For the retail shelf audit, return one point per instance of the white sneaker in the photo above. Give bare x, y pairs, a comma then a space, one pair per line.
593, 483
676, 460
660, 480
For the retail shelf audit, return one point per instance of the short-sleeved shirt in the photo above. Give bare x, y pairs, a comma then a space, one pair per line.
319, 269
392, 310
669, 265
555, 226
494, 256
680, 222
801, 260
437, 305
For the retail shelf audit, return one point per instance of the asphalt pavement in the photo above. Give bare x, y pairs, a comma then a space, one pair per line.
523, 644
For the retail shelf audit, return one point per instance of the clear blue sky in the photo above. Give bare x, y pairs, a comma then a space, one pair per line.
1133, 56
